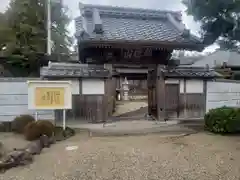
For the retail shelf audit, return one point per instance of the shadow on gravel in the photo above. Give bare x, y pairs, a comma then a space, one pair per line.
196, 125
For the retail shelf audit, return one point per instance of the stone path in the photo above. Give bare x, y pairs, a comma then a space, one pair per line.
129, 106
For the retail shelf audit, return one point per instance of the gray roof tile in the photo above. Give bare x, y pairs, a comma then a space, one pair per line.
129, 24
191, 73
74, 70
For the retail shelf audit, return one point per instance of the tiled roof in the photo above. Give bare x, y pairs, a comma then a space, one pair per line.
191, 73
74, 70
129, 24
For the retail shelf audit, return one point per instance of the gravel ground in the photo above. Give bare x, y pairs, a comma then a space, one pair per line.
11, 140
196, 157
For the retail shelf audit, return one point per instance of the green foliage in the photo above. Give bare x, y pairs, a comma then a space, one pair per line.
5, 32
60, 35
38, 128
61, 134
223, 120
23, 31
219, 20
6, 126
20, 122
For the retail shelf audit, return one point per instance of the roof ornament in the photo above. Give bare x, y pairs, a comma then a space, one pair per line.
178, 24
49, 64
98, 28
81, 7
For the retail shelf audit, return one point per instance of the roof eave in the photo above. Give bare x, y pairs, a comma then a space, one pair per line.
158, 44
195, 77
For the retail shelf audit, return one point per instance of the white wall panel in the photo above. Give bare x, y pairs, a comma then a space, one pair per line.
14, 101
93, 86
194, 86
222, 94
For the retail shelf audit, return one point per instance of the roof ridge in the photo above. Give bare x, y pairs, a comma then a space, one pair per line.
122, 9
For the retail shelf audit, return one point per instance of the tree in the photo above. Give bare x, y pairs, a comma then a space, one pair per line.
226, 44
26, 20
60, 35
5, 32
219, 18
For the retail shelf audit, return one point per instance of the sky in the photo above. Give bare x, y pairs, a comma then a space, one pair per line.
174, 5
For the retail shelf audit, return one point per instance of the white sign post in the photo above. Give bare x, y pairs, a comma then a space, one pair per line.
50, 95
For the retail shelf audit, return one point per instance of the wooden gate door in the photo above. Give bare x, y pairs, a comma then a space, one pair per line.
172, 101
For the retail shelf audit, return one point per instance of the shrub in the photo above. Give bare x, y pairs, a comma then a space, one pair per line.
31, 131
36, 129
6, 126
223, 120
46, 127
20, 122
61, 135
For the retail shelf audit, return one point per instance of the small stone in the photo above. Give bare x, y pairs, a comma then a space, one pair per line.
15, 158
52, 140
45, 141
35, 147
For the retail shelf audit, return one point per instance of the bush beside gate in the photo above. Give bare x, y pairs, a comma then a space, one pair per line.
223, 120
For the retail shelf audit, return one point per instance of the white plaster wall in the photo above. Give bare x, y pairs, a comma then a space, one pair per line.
194, 86
14, 101
172, 81
181, 86
222, 94
93, 86
75, 87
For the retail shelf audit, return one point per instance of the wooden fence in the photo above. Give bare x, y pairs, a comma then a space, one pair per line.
92, 108
85, 108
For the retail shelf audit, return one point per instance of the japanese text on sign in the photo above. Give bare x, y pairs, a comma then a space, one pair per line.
49, 97
136, 53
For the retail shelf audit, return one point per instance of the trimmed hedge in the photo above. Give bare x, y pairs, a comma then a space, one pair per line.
223, 120
20, 122
35, 129
31, 131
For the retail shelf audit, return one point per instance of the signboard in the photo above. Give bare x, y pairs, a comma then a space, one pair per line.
136, 53
49, 95
131, 55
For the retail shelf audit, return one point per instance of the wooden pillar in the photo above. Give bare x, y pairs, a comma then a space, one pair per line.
205, 96
185, 97
149, 87
121, 81
107, 96
160, 94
